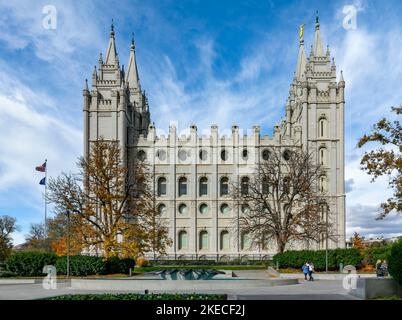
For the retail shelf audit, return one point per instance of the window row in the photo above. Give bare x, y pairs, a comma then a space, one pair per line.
184, 154
204, 241
183, 186
203, 209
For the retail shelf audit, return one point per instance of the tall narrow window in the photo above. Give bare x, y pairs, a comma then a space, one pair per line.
224, 186
322, 127
182, 186
323, 158
203, 241
203, 186
245, 185
323, 184
183, 240
224, 240
161, 186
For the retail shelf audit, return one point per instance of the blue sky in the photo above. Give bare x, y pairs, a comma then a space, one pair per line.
203, 62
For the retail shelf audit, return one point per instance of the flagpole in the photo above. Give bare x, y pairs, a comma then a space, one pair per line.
45, 227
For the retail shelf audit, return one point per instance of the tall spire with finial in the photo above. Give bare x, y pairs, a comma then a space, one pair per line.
318, 50
111, 55
301, 59
132, 71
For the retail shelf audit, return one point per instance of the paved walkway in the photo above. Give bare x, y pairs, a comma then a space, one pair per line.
317, 290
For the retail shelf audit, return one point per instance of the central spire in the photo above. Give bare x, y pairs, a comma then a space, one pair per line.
318, 50
132, 71
111, 55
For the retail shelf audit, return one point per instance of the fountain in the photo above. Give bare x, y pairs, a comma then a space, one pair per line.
186, 274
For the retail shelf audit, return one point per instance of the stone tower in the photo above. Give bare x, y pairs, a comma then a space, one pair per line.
316, 102
115, 108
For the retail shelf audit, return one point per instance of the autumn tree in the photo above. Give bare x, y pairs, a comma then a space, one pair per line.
57, 234
386, 160
35, 239
282, 201
111, 202
7, 227
357, 241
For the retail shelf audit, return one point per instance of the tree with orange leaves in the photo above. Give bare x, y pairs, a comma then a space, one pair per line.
111, 205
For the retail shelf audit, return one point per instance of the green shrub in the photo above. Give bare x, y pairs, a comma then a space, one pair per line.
295, 259
377, 252
81, 265
29, 263
116, 265
395, 261
136, 296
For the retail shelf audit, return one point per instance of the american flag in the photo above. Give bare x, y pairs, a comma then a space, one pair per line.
41, 168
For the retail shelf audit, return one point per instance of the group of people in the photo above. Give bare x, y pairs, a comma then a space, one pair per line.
381, 268
308, 270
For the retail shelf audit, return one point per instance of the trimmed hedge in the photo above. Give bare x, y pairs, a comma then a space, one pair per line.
135, 296
81, 265
116, 265
295, 259
29, 263
395, 261
374, 253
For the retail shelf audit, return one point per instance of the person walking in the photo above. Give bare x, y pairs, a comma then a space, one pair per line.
311, 271
305, 269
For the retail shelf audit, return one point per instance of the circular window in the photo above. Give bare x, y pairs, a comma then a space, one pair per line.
265, 154
204, 208
225, 208
182, 155
141, 155
161, 154
245, 208
203, 155
224, 155
183, 209
286, 155
162, 209
245, 154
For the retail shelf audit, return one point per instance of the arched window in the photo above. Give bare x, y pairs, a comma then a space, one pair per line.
183, 209
183, 240
203, 186
224, 186
224, 208
182, 186
322, 127
245, 185
266, 154
203, 155
323, 156
224, 240
245, 154
141, 155
245, 241
162, 186
323, 184
224, 155
203, 241
162, 209
204, 209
